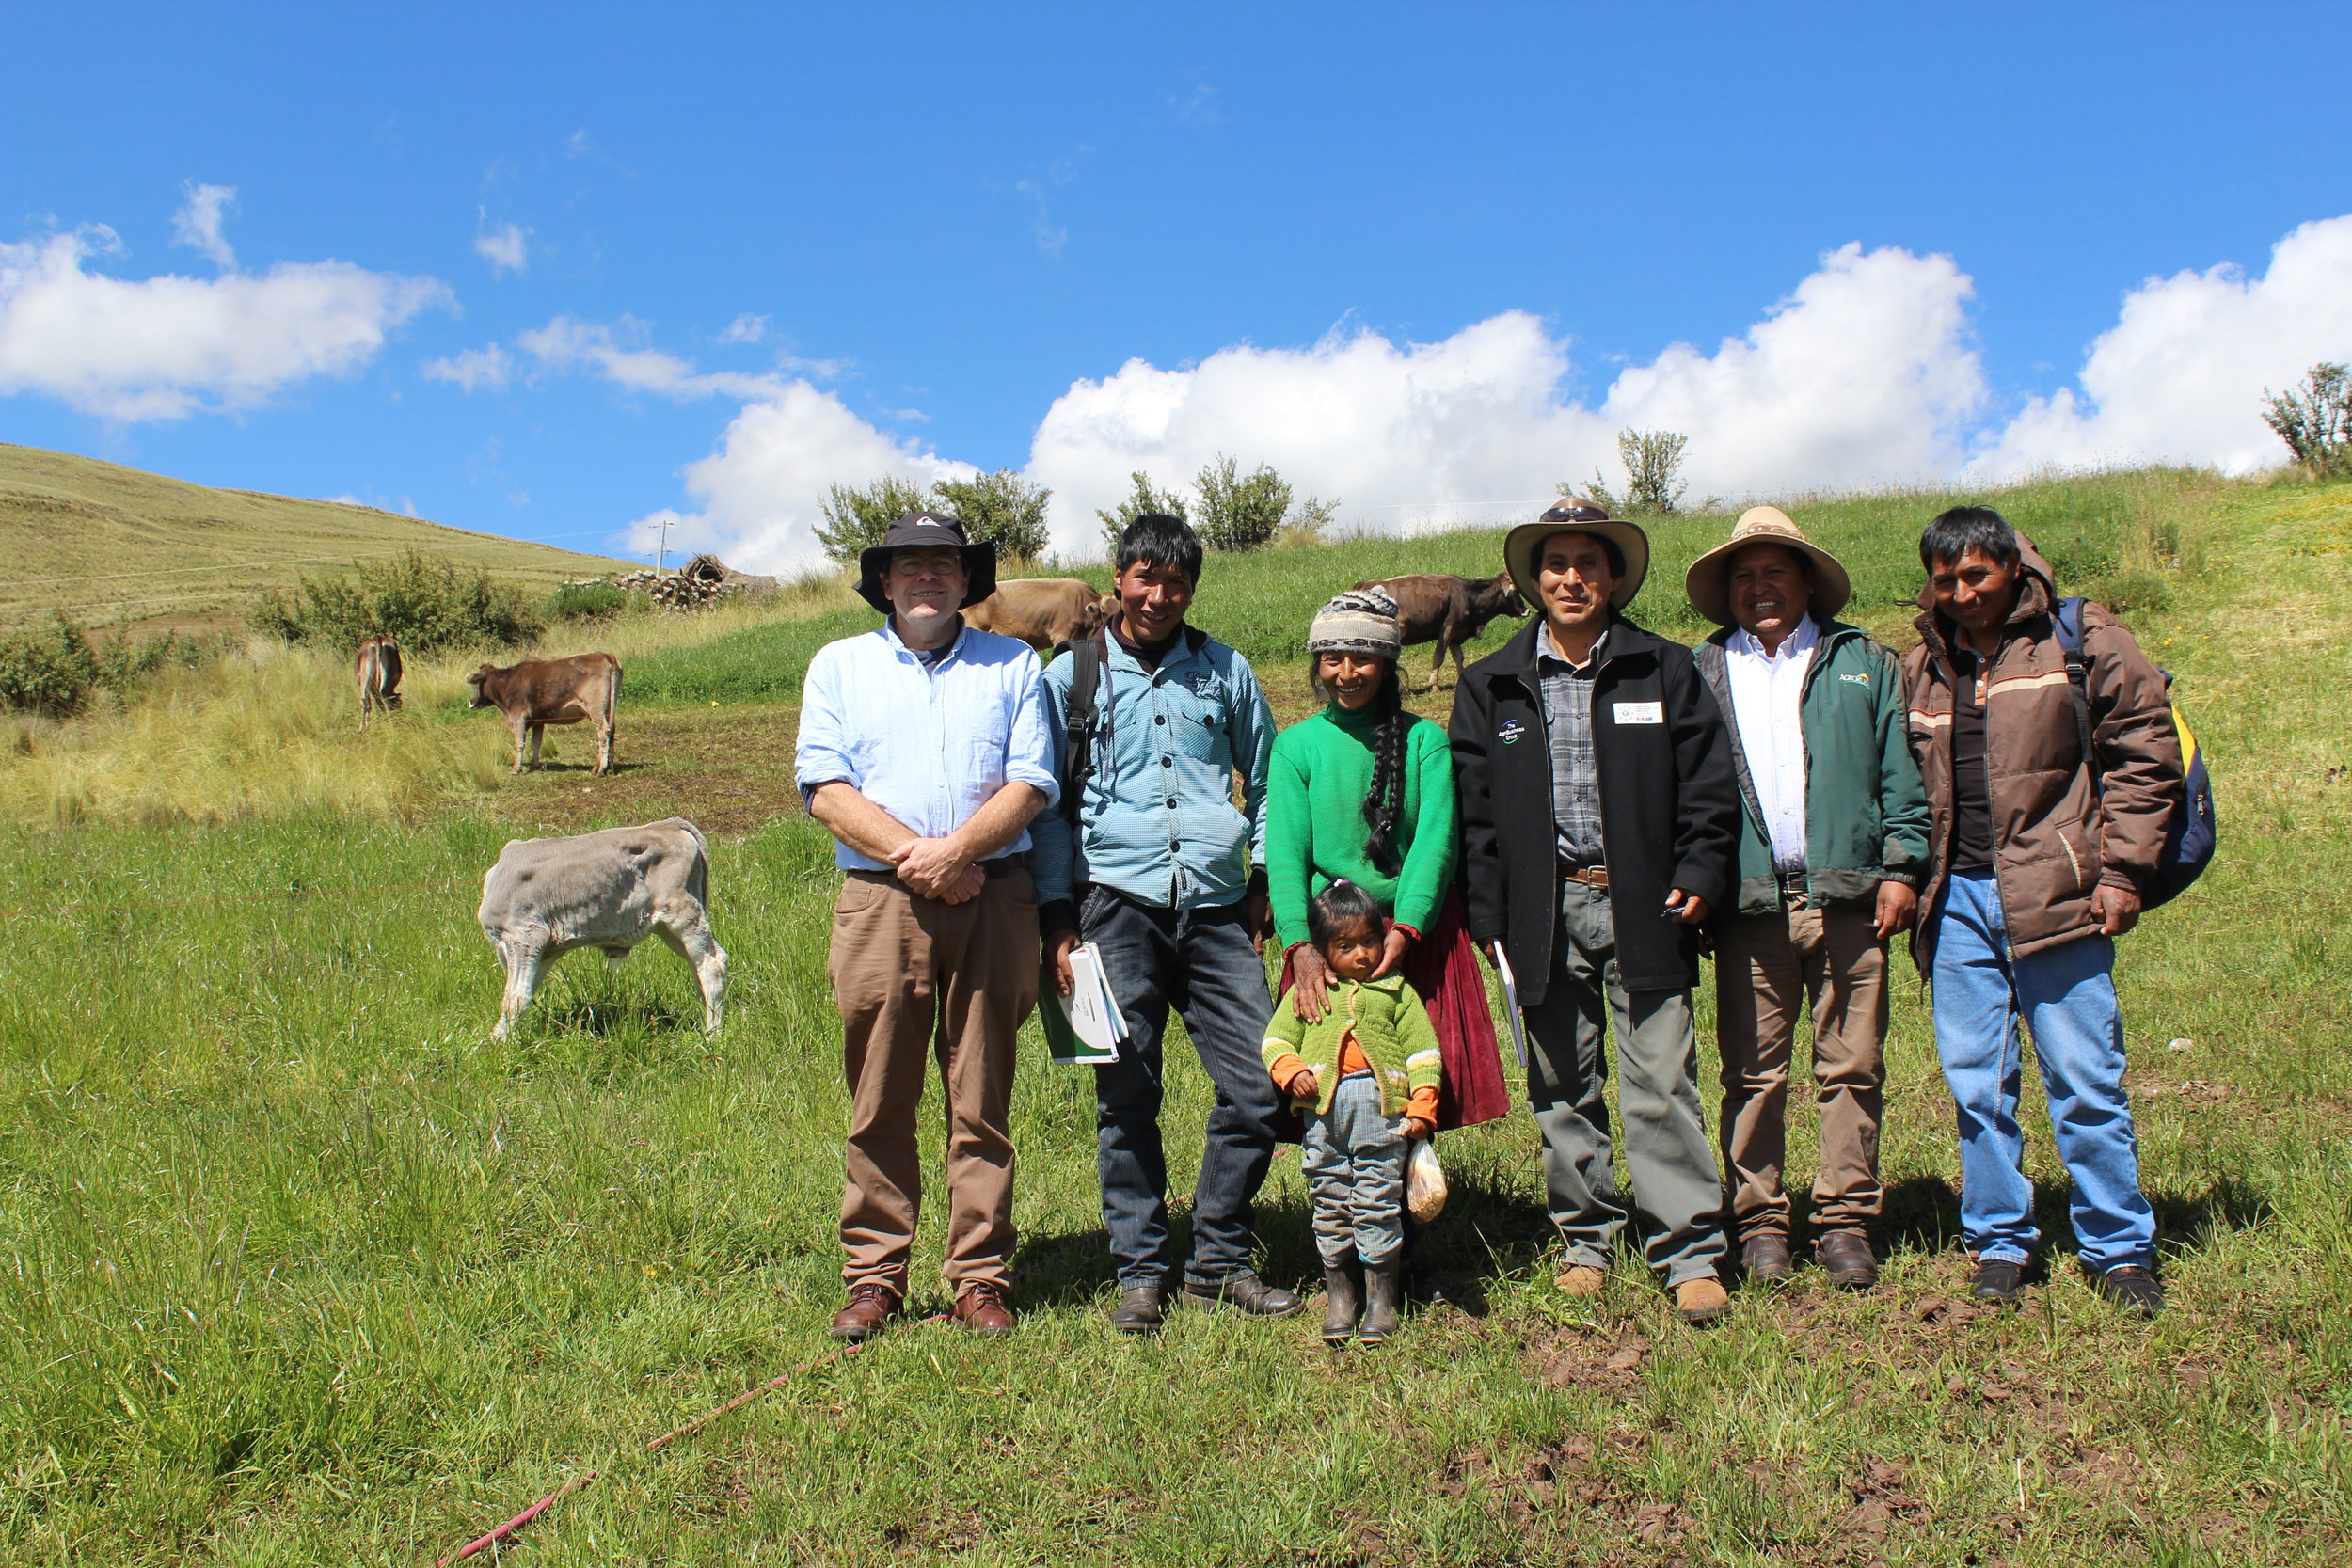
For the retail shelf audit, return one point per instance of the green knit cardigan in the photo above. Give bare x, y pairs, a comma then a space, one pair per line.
1392, 1029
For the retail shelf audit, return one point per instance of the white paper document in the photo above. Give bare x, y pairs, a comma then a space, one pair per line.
1089, 1023
1511, 1003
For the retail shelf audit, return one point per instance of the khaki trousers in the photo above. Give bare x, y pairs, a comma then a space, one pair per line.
1766, 967
914, 978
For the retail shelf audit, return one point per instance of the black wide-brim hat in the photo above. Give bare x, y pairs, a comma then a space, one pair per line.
926, 531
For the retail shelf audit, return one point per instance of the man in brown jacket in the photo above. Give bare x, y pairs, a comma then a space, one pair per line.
2037, 854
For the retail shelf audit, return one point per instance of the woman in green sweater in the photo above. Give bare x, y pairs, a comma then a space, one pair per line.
1364, 792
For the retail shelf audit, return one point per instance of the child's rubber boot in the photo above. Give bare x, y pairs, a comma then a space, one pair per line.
1384, 1300
1342, 1301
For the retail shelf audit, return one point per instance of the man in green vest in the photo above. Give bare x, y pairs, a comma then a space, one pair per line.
1833, 844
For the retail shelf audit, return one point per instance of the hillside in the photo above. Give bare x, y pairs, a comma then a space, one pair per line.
115, 545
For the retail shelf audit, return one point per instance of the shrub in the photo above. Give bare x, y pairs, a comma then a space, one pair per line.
1653, 468
587, 601
56, 672
856, 519
1140, 500
999, 507
1240, 511
427, 603
2316, 423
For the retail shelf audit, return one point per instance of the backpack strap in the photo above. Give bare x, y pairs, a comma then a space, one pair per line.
1080, 711
2069, 619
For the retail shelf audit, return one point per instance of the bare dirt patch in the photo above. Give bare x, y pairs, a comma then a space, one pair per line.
726, 769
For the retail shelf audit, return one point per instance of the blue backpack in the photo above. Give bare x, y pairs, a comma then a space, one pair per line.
2188, 838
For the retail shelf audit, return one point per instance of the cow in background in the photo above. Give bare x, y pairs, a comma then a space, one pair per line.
1044, 613
378, 675
611, 888
542, 692
1449, 609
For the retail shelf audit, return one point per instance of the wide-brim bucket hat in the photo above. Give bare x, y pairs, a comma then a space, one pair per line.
1575, 515
1708, 582
926, 531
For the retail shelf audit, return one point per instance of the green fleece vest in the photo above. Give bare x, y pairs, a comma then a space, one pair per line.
1865, 812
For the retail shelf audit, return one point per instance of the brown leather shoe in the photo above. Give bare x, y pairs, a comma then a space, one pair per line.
981, 1307
1702, 1301
1582, 1280
1846, 1257
871, 1308
1764, 1259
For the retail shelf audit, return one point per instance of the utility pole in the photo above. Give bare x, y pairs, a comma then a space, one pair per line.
662, 553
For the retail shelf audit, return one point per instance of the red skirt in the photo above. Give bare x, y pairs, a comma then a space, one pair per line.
1443, 968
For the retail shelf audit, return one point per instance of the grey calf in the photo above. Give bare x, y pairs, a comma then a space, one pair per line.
610, 888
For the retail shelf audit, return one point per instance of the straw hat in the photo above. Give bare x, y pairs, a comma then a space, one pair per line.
1575, 515
1708, 582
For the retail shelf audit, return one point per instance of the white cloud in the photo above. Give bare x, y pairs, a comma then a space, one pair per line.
507, 248
165, 347
745, 328
761, 491
197, 224
568, 343
476, 370
2181, 374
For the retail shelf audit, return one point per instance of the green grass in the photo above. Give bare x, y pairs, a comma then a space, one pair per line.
302, 1269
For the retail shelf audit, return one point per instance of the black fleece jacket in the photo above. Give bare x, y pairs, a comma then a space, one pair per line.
1669, 807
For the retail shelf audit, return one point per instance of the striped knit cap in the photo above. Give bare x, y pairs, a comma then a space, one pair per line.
1361, 620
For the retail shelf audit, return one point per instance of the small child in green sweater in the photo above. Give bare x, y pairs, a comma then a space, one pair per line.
1366, 1078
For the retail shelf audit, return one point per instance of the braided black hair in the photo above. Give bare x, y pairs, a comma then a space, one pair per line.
1384, 803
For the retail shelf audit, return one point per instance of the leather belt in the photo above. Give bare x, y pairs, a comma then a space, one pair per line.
1591, 876
1003, 865
1793, 885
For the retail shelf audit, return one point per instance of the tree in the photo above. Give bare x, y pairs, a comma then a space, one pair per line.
2316, 424
1240, 511
1653, 466
856, 519
1309, 519
1140, 500
1001, 507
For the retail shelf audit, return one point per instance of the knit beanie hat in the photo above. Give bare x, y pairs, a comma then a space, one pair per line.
1361, 620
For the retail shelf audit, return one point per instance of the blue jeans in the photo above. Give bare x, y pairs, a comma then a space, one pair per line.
2065, 996
1354, 1160
1200, 962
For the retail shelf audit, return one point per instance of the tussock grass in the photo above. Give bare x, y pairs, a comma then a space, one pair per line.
301, 1268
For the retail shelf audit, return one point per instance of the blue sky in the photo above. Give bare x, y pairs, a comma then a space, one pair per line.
1425, 259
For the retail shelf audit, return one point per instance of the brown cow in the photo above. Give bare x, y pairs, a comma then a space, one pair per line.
378, 675
542, 692
1044, 613
1449, 609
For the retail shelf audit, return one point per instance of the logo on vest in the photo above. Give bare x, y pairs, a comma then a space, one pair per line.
1511, 732
1858, 677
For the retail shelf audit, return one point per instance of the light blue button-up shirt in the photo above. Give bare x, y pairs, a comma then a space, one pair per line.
928, 741
1157, 820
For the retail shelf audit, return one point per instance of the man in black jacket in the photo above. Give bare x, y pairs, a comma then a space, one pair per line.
1600, 828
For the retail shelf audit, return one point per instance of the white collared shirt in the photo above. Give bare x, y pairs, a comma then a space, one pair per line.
1766, 690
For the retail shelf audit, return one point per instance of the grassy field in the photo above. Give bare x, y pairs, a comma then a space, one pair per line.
305, 1270
115, 545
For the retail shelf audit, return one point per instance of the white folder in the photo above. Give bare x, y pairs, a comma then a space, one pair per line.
1511, 1003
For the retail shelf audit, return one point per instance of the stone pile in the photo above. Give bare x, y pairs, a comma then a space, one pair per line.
697, 585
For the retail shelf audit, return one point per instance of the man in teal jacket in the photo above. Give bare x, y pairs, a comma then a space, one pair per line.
1833, 844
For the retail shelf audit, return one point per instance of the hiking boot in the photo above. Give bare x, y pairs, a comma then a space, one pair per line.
1581, 1281
1342, 1301
1384, 1301
1142, 1310
1997, 1279
1764, 1259
871, 1308
1244, 1293
1846, 1257
1702, 1300
981, 1307
2132, 1288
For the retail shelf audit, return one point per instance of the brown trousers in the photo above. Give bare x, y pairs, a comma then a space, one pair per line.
915, 977
1766, 967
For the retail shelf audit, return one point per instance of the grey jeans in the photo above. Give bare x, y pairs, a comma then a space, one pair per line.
1354, 1160
1677, 1189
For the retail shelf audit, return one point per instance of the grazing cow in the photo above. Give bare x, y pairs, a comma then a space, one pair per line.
542, 692
1044, 613
1450, 610
378, 675
612, 889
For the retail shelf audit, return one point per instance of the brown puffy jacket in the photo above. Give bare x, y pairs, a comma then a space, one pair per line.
2055, 836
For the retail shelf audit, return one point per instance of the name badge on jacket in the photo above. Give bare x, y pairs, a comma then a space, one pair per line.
1641, 713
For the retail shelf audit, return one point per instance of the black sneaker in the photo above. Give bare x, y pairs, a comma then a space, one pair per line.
1997, 1279
2132, 1288
1243, 1292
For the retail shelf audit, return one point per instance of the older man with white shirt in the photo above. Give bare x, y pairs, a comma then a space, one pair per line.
1833, 843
